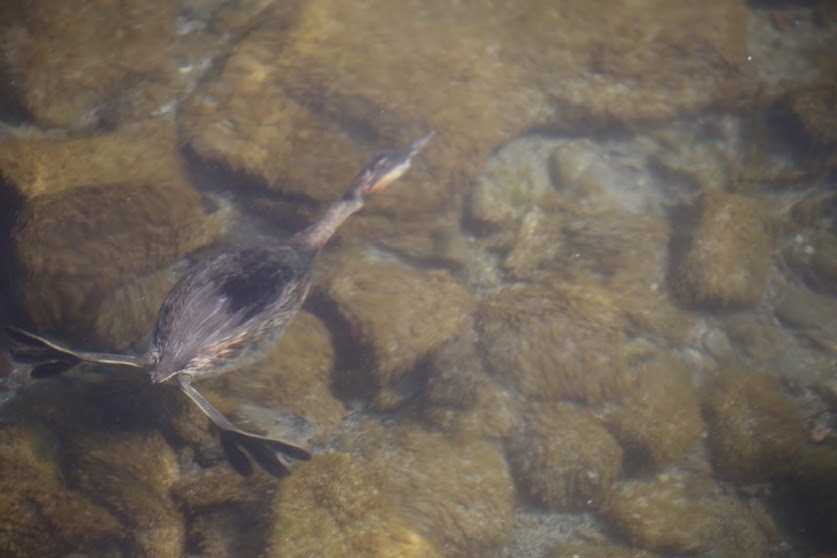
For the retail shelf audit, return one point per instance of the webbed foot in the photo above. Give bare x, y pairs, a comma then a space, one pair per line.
241, 446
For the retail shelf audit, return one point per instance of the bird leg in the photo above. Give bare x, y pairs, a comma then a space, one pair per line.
50, 359
235, 441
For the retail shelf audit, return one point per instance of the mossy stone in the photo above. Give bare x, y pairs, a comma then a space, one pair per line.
564, 459
677, 514
658, 421
755, 431
561, 341
67, 61
475, 75
457, 492
334, 505
132, 474
98, 213
727, 255
396, 316
39, 514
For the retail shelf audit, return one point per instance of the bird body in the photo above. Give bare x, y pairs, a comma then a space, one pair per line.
229, 311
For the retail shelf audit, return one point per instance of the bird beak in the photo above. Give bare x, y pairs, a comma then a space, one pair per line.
419, 144
403, 159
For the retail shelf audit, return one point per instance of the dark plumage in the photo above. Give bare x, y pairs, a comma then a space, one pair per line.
229, 310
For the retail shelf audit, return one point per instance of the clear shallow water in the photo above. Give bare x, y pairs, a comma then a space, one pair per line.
589, 321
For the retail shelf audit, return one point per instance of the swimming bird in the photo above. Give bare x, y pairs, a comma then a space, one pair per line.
229, 311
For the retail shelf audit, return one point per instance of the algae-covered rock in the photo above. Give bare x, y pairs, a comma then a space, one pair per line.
65, 62
493, 415
556, 342
131, 475
295, 378
514, 181
457, 493
227, 515
396, 316
659, 420
72, 249
95, 218
726, 258
42, 164
217, 486
453, 494
335, 505
538, 243
319, 83
666, 514
258, 115
674, 514
631, 48
228, 532
455, 374
627, 253
125, 317
444, 245
40, 515
460, 398
563, 458
754, 429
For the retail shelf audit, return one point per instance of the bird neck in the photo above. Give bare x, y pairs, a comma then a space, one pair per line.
314, 237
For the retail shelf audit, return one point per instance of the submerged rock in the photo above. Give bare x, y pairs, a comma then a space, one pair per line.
403, 491
131, 474
563, 458
312, 81
226, 515
333, 505
812, 494
659, 420
811, 314
460, 398
458, 493
39, 514
673, 514
514, 181
556, 342
97, 214
125, 317
727, 257
67, 62
396, 316
755, 431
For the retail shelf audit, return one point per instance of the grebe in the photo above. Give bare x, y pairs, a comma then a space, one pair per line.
227, 312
